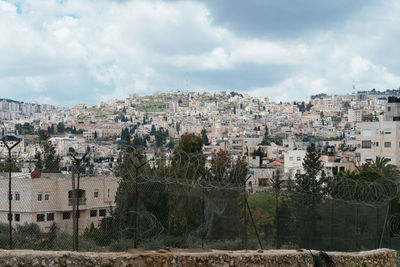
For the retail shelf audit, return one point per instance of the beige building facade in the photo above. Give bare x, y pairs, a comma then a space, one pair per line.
48, 199
379, 139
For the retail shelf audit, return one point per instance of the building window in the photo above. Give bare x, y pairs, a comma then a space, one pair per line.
108, 192
47, 196
40, 217
17, 217
389, 108
298, 158
96, 193
102, 213
93, 213
66, 215
366, 133
366, 144
39, 196
368, 159
50, 216
388, 132
17, 196
377, 143
388, 144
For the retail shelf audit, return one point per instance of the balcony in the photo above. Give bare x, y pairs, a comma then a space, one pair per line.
81, 200
81, 197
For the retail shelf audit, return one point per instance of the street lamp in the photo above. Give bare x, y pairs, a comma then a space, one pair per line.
10, 142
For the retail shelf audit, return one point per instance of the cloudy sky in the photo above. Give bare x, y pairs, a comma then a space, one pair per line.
66, 52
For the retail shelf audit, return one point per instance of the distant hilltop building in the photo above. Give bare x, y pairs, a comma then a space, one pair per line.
11, 109
172, 107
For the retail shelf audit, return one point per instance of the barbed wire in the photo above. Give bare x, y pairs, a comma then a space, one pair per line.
215, 181
394, 224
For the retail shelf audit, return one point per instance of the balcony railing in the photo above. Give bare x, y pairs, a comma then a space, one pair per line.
81, 200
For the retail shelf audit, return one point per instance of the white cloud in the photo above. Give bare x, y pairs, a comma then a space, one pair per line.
111, 49
293, 88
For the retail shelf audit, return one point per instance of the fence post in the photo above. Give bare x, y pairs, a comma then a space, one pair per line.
245, 221
76, 199
135, 233
245, 213
331, 225
254, 225
10, 246
73, 209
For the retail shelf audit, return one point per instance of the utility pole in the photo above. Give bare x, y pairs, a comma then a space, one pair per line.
74, 237
10, 148
75, 196
135, 234
245, 213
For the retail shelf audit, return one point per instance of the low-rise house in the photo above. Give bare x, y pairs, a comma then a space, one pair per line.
48, 199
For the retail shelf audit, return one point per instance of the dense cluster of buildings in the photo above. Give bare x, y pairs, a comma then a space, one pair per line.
349, 129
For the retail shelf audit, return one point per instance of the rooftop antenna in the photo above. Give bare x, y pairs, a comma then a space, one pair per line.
354, 85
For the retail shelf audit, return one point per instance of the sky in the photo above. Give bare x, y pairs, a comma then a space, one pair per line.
65, 52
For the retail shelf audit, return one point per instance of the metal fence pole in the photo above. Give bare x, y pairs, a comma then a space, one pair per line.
78, 166
10, 246
73, 209
135, 223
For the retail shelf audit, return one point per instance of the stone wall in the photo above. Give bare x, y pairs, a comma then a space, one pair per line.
193, 257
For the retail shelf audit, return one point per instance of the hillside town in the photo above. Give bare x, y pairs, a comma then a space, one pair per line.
271, 137
349, 128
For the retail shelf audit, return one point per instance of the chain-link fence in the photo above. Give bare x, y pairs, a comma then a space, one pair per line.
186, 200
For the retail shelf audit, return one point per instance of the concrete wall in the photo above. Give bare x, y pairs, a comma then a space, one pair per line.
193, 257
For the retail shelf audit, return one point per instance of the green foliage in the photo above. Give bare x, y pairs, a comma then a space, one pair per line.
190, 143
179, 208
60, 127
204, 137
94, 234
369, 117
43, 135
9, 164
267, 140
47, 161
160, 137
309, 189
25, 129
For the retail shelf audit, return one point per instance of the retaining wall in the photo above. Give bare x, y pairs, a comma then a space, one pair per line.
193, 257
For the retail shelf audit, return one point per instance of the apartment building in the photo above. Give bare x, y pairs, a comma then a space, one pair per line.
293, 161
354, 115
48, 199
379, 139
382, 138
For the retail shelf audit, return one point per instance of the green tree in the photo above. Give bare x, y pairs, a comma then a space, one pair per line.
153, 130
309, 189
25, 128
188, 164
9, 164
204, 137
227, 178
60, 127
39, 161
47, 161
